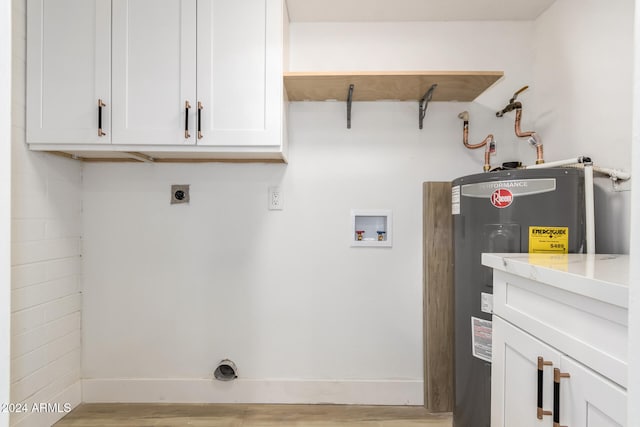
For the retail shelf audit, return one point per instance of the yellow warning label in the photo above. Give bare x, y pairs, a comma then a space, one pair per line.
548, 240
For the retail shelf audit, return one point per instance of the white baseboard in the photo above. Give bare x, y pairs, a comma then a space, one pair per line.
373, 392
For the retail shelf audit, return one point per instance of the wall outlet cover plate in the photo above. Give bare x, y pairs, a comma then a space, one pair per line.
276, 202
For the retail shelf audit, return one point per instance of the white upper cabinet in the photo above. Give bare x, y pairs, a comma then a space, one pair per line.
240, 72
68, 70
154, 70
177, 79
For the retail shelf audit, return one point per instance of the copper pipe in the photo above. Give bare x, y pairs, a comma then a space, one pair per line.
465, 138
539, 152
535, 142
533, 137
517, 106
488, 142
487, 157
465, 133
519, 132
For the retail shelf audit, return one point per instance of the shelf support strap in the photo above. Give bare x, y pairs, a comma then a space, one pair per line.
349, 101
424, 102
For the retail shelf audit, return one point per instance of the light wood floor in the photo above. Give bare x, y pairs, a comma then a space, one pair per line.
201, 415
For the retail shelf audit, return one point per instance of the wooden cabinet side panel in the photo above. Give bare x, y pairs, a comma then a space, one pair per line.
438, 296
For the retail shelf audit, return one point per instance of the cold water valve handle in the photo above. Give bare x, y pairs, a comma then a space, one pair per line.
512, 105
518, 92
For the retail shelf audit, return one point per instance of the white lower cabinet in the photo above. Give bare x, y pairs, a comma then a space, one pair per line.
584, 399
559, 344
588, 399
514, 377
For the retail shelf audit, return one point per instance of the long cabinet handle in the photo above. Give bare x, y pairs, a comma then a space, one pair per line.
200, 107
557, 375
100, 105
541, 364
187, 106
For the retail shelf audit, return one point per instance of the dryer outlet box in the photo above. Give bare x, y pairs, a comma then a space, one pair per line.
179, 194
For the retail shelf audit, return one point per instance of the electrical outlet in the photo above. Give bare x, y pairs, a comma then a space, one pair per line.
179, 194
275, 199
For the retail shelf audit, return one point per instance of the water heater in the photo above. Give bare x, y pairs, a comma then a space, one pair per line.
536, 210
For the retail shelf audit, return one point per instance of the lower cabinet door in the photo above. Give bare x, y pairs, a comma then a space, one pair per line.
521, 393
588, 399
532, 384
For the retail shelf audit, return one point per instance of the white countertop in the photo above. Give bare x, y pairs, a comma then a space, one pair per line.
599, 276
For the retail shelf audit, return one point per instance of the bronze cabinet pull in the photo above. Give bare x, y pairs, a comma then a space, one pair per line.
187, 106
557, 375
200, 107
100, 105
541, 364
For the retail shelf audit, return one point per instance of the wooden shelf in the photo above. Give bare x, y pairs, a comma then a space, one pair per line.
462, 86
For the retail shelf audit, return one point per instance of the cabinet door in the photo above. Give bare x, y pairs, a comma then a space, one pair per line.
68, 70
240, 66
588, 399
153, 70
514, 377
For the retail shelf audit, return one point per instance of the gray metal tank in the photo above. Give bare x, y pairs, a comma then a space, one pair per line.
493, 212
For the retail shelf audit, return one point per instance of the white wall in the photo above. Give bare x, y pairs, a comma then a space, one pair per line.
171, 290
633, 412
488, 46
45, 251
583, 65
583, 106
5, 205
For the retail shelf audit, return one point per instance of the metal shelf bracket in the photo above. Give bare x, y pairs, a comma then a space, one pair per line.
423, 103
349, 101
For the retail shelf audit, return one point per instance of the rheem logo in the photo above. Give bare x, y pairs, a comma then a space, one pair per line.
501, 198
